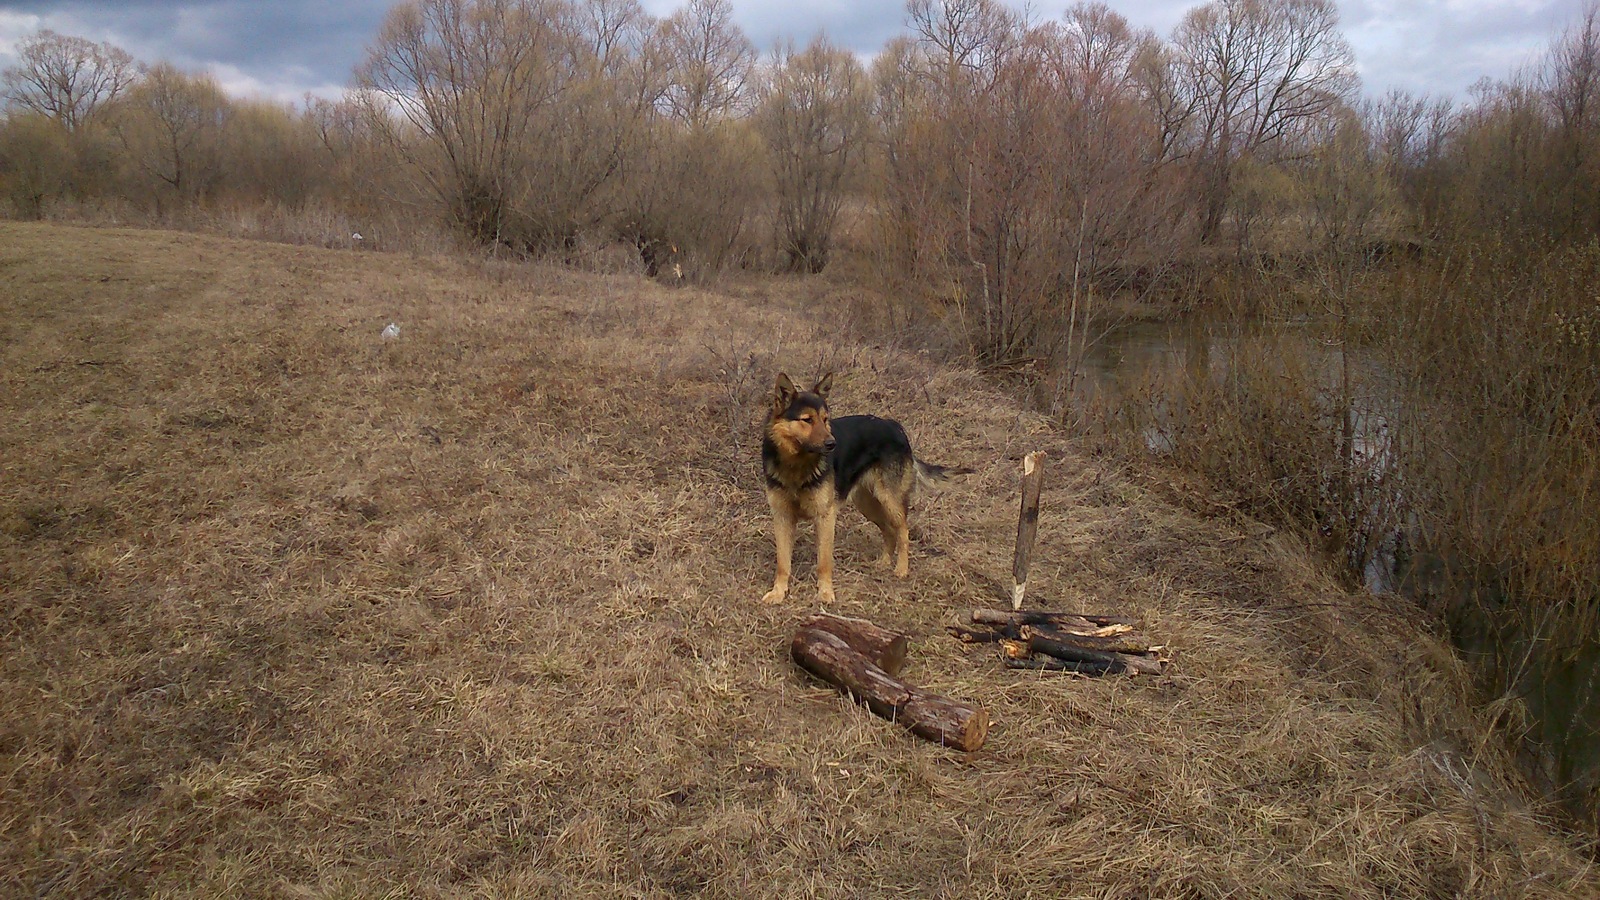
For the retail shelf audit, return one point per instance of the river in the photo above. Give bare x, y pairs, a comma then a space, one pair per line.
1560, 690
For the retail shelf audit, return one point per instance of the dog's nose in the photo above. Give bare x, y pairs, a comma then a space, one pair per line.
829, 444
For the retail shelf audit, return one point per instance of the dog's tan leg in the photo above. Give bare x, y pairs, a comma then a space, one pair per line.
868, 503
783, 522
895, 511
825, 523
902, 566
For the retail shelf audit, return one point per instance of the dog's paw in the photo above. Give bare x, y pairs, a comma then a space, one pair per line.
902, 570
825, 593
775, 595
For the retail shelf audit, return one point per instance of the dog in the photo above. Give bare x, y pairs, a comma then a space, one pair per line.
814, 462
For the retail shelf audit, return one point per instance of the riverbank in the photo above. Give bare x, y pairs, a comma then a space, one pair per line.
290, 608
1436, 423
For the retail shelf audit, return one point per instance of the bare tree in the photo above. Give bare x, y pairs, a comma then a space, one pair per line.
1410, 135
67, 78
813, 116
711, 60
171, 128
476, 80
1021, 164
1251, 75
1347, 186
1572, 84
35, 164
270, 155
964, 41
1099, 45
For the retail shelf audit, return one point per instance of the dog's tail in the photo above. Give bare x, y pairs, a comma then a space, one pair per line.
930, 475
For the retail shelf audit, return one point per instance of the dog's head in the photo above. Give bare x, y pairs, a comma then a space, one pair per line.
799, 421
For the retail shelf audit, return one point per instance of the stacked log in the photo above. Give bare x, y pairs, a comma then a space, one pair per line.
863, 660
1066, 642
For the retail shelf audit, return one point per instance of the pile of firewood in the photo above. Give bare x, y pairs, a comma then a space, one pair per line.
1065, 642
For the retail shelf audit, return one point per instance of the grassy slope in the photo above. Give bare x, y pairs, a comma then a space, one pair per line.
285, 610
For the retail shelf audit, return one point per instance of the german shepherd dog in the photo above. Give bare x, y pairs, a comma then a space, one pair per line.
814, 462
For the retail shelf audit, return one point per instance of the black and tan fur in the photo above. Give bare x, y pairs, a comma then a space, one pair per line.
813, 462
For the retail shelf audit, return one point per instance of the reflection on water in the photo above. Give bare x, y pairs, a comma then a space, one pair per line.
1561, 690
1127, 355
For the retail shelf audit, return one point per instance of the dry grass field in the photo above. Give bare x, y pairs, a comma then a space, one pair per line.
288, 610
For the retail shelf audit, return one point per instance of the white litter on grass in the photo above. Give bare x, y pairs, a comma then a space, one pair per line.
391, 332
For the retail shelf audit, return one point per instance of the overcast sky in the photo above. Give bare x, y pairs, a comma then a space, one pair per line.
286, 48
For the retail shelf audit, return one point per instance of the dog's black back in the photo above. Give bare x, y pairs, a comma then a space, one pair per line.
866, 442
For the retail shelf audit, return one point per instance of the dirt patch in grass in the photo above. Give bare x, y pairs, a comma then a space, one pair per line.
287, 609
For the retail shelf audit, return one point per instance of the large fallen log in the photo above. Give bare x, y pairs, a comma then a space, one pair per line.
883, 648
831, 658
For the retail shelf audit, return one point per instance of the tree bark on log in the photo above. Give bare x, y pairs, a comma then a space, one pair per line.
928, 715
883, 648
1027, 524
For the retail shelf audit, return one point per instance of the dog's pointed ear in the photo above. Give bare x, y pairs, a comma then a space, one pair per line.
784, 392
823, 386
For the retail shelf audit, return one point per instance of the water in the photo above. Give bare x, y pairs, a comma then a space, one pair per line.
1559, 689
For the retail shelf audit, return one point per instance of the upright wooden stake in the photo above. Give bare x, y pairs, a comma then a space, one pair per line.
1027, 524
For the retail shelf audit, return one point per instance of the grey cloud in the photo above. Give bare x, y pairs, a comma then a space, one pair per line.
860, 27
1426, 46
1442, 48
317, 42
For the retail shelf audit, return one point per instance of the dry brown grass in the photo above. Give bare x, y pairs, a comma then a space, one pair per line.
289, 611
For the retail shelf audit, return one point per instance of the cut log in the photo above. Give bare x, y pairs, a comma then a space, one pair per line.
883, 648
928, 715
1060, 620
1027, 524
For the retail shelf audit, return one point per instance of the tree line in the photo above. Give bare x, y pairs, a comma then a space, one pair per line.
1018, 170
